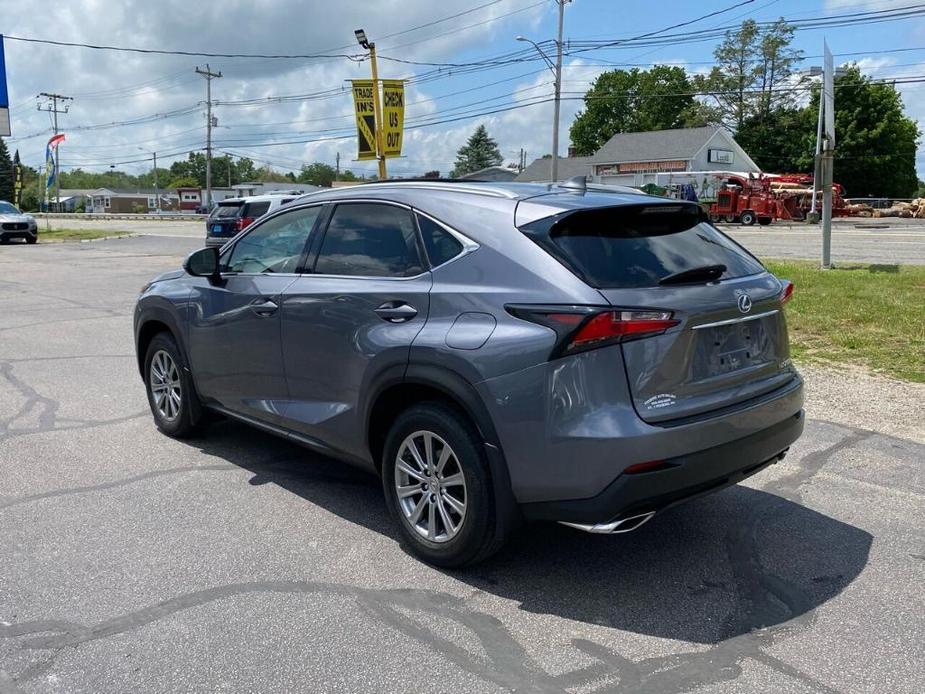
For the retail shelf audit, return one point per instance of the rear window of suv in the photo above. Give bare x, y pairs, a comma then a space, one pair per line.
227, 211
636, 246
256, 209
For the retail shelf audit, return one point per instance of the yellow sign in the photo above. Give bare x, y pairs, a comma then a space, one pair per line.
366, 118
393, 116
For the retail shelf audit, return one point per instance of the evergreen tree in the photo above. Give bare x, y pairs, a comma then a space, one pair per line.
6, 173
479, 152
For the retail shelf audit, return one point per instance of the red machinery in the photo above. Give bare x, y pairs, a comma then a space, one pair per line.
749, 199
763, 198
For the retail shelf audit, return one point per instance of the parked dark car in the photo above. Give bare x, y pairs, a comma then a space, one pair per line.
233, 215
16, 225
495, 352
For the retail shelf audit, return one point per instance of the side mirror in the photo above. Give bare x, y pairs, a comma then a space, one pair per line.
203, 263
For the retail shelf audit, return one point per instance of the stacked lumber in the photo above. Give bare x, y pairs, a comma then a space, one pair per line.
905, 210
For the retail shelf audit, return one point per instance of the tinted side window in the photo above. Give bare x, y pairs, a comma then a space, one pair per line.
257, 209
275, 246
372, 240
439, 243
225, 211
634, 246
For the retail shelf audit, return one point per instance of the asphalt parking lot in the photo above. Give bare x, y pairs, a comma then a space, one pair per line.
131, 562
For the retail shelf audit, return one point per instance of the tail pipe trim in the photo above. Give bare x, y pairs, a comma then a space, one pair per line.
623, 525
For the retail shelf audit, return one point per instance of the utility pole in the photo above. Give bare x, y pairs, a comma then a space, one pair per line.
209, 75
556, 69
555, 117
828, 154
52, 107
337, 168
157, 193
377, 106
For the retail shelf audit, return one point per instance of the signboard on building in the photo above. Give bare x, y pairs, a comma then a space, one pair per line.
720, 156
366, 118
4, 96
641, 167
393, 116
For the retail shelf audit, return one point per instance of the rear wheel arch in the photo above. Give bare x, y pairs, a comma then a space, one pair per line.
423, 383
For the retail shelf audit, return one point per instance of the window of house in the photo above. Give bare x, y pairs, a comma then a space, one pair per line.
106, 202
152, 202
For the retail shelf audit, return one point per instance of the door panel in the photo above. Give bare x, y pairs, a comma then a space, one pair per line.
234, 344
350, 320
334, 342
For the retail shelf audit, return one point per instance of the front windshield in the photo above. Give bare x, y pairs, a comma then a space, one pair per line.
7, 208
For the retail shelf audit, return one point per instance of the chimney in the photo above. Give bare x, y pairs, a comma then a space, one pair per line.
572, 151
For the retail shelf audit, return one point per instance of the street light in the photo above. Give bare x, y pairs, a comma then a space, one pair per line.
361, 38
157, 195
557, 75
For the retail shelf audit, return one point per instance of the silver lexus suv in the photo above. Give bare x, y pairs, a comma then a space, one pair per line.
496, 352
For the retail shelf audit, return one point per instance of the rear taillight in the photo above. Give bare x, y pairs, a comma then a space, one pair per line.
787, 292
243, 223
580, 328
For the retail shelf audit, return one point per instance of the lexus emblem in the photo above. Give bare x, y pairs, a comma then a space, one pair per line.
745, 303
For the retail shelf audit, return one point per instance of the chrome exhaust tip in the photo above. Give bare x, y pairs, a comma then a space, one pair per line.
623, 525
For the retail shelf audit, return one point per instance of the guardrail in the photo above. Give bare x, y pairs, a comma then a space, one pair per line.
125, 216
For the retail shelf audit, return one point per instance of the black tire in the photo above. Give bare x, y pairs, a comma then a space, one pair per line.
731, 219
764, 221
32, 239
748, 218
188, 417
478, 536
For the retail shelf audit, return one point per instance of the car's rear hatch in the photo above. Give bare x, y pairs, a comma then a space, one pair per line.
730, 343
223, 222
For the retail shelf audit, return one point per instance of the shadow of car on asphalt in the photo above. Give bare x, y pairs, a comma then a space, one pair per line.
706, 571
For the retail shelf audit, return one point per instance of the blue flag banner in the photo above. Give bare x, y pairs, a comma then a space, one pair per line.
4, 95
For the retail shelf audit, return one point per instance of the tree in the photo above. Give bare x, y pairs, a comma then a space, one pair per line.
625, 101
6, 173
754, 73
479, 152
181, 182
317, 174
432, 174
781, 141
875, 141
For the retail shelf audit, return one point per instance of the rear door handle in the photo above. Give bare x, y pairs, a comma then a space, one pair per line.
396, 311
264, 307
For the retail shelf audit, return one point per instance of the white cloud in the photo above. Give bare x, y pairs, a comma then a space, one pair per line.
95, 78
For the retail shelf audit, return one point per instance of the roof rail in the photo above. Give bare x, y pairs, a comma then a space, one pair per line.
452, 185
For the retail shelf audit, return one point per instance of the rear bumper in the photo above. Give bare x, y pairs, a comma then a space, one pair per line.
688, 477
568, 428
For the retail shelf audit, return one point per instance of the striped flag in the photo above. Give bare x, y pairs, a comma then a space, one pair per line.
51, 171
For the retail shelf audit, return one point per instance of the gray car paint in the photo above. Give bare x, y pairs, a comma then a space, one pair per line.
566, 427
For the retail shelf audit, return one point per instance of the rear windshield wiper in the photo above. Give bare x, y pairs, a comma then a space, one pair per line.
706, 273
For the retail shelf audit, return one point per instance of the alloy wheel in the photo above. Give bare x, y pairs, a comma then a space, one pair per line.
164, 379
430, 486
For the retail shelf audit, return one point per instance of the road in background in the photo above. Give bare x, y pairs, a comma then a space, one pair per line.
903, 241
236, 561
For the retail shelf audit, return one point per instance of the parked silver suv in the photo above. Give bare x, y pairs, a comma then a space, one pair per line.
496, 352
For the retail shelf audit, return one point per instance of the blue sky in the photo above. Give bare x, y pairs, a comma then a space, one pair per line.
162, 95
